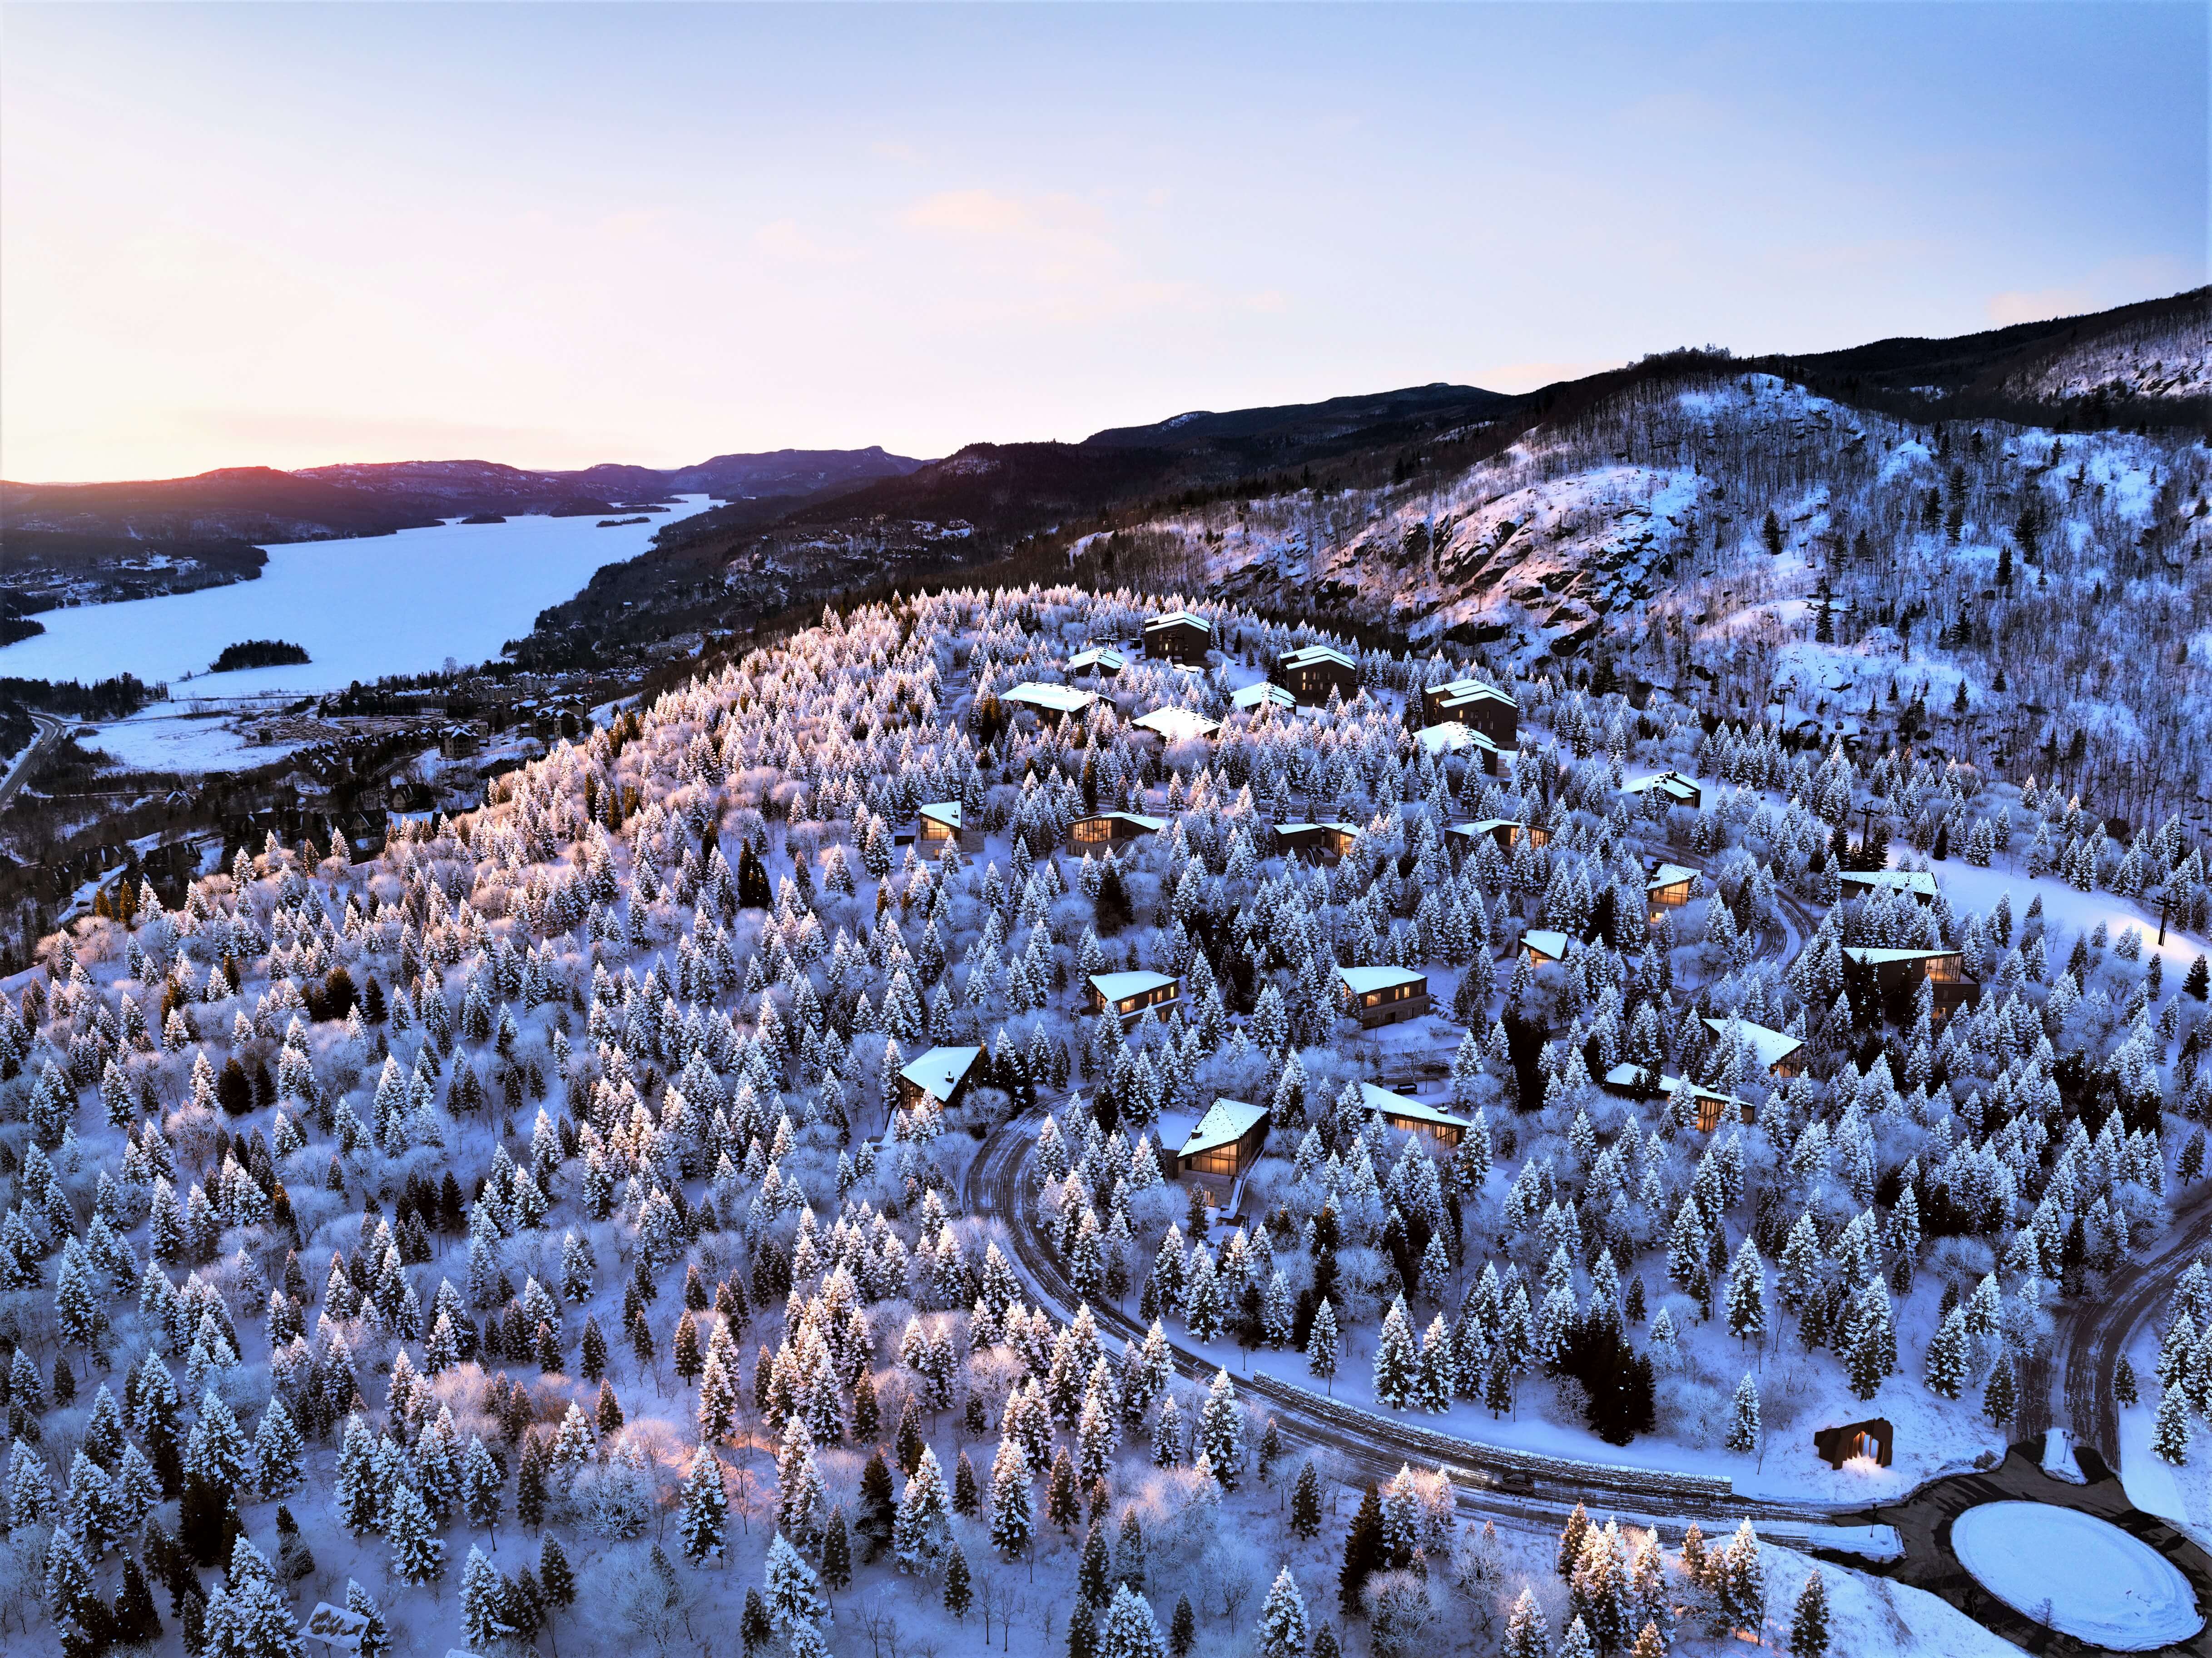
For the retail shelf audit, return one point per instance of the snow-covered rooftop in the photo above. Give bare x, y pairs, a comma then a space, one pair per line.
1920, 883
940, 1071
1669, 875
1451, 737
1308, 655
1361, 981
1226, 1123
1546, 941
1177, 725
1179, 618
1253, 697
1769, 1048
1382, 1101
1098, 656
943, 811
1117, 987
1053, 699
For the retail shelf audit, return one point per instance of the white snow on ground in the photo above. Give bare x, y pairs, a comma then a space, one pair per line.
165, 737
2075, 1573
2065, 911
1868, 1617
389, 604
2058, 1459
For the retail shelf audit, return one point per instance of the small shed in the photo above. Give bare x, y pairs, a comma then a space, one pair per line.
1472, 703
943, 1071
1179, 636
1312, 671
1316, 841
1131, 994
1774, 1052
1872, 1437
1110, 828
1384, 995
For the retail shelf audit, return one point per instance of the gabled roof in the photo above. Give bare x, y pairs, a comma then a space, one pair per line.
1920, 883
1151, 825
1098, 656
1179, 618
1054, 698
1177, 725
1483, 826
1769, 1048
1669, 875
1382, 1101
1451, 737
1253, 697
1870, 956
1226, 1123
1548, 941
1118, 987
1459, 691
942, 1070
1361, 979
1308, 655
1673, 782
1624, 1075
946, 812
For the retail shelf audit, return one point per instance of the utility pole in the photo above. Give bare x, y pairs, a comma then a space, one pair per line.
2165, 897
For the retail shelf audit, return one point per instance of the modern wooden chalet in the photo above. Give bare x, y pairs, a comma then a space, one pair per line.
1865, 883
1667, 888
1312, 671
1544, 944
945, 1072
1099, 660
1640, 1083
1679, 790
1507, 832
938, 827
1131, 995
1050, 703
1378, 996
1439, 1129
1102, 829
1316, 841
1211, 1153
1179, 636
1774, 1052
1176, 725
1472, 703
1893, 976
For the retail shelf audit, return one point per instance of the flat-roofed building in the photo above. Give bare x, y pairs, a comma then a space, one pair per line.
1179, 636
1176, 725
1507, 832
1213, 1152
1920, 883
1098, 659
1051, 703
938, 826
1315, 840
1110, 828
1679, 790
1472, 703
1131, 995
1438, 1127
943, 1071
1384, 995
1774, 1052
1312, 671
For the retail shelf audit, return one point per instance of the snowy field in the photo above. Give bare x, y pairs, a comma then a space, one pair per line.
165, 739
363, 609
2075, 1573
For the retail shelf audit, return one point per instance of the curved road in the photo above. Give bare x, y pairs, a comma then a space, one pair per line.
50, 732
2086, 1361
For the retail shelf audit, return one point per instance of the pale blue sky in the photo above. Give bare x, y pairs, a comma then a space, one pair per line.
558, 234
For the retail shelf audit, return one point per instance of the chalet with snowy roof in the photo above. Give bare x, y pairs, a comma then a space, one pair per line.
1667, 888
1312, 671
1865, 883
1544, 944
943, 1071
1262, 696
1050, 703
1437, 741
1642, 1083
1102, 829
1774, 1052
1316, 841
1131, 995
1895, 975
1507, 832
1679, 790
1378, 996
1101, 660
1439, 1129
938, 827
1177, 725
1211, 1153
1179, 636
1472, 703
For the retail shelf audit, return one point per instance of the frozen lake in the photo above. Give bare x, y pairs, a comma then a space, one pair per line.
361, 609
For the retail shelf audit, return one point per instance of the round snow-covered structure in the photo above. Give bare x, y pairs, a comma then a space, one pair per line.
2077, 1573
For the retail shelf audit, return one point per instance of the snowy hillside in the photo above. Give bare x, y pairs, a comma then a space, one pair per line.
2168, 358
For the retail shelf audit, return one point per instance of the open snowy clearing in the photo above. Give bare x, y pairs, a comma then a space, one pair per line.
361, 609
2075, 1573
165, 737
